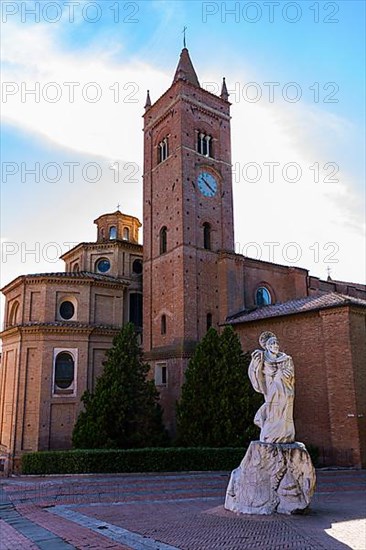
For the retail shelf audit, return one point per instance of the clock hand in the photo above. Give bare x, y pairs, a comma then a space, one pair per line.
208, 185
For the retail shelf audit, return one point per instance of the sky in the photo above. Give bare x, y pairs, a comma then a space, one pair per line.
75, 76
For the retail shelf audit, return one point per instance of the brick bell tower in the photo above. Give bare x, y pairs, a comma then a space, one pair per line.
187, 222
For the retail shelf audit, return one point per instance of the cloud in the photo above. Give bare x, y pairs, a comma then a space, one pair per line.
99, 103
307, 212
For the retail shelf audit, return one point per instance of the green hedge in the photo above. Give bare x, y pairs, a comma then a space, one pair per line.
132, 460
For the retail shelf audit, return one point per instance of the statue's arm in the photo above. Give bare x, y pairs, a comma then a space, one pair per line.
288, 369
255, 371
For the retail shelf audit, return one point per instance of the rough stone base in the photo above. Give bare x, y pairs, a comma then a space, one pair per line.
272, 477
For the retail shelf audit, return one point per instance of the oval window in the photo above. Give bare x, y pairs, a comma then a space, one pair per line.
64, 370
263, 297
103, 265
137, 267
67, 310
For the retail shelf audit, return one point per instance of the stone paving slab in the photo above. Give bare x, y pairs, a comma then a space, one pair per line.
31, 532
10, 538
182, 511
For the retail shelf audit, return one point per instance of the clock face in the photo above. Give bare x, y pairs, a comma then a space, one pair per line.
207, 184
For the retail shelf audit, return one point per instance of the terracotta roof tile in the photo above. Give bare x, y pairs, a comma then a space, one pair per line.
79, 275
185, 69
299, 305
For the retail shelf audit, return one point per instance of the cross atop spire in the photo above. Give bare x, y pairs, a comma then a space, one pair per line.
185, 69
184, 37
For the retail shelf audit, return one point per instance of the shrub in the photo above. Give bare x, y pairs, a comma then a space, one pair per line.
154, 459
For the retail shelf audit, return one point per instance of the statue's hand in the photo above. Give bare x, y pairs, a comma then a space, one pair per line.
287, 371
257, 358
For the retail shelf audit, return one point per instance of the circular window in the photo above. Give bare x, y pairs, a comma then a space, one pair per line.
67, 310
137, 267
64, 370
103, 265
263, 297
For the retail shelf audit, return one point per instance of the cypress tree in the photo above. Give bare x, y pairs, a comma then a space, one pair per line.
124, 411
218, 404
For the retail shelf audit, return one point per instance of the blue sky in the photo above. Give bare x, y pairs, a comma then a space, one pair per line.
320, 55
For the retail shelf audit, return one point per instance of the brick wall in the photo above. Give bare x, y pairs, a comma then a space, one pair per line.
327, 400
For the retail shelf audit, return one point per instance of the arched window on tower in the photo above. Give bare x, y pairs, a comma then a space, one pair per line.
163, 239
126, 234
263, 296
163, 324
113, 232
204, 144
163, 150
207, 236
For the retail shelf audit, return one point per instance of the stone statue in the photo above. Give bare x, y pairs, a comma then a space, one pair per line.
276, 473
271, 373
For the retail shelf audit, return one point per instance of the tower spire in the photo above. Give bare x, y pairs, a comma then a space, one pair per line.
224, 93
185, 69
148, 100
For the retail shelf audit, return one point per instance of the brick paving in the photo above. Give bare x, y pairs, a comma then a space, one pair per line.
173, 511
10, 538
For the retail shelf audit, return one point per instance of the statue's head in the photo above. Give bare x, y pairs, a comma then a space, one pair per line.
272, 345
269, 342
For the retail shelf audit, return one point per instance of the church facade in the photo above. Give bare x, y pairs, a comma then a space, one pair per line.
189, 280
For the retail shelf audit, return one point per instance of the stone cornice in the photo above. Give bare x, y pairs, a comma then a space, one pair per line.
216, 113
205, 108
178, 84
60, 328
81, 278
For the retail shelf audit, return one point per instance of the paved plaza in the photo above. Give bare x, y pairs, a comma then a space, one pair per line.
172, 511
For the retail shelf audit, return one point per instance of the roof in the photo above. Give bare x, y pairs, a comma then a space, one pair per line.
80, 275
68, 324
299, 305
185, 69
76, 275
106, 243
119, 214
359, 286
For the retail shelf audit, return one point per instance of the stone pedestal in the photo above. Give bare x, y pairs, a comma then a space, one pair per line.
272, 477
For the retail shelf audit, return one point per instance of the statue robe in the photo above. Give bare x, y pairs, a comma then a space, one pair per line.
275, 379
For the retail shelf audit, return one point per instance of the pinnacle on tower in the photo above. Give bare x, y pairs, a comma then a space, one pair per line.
148, 100
185, 69
224, 93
